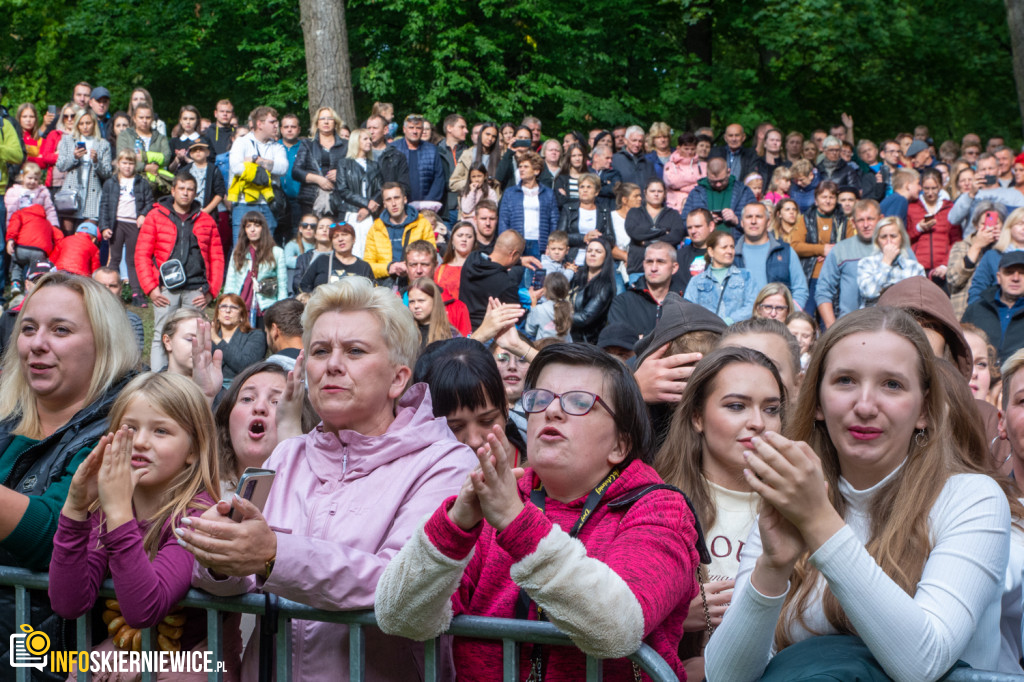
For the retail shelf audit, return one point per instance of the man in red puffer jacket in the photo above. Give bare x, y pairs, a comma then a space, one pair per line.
176, 229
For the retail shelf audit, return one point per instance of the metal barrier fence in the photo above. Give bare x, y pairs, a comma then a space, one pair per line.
511, 632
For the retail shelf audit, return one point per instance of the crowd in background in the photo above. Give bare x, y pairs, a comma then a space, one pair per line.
484, 364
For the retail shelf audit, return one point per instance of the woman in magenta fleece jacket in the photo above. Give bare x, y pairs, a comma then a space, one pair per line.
612, 577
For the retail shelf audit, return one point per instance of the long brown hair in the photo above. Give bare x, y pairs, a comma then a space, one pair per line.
680, 462
180, 399
899, 539
439, 328
264, 247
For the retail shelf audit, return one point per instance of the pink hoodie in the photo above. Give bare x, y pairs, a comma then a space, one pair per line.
342, 507
681, 176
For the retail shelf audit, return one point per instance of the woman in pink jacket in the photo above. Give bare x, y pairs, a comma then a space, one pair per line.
682, 171
588, 537
348, 494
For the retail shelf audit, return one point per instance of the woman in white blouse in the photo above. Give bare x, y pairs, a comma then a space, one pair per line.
870, 523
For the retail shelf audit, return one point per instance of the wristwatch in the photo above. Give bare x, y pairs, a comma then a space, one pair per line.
269, 567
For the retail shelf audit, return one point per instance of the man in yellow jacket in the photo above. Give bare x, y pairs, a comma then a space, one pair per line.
398, 225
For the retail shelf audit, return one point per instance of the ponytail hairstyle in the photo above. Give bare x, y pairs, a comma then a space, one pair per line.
179, 398
556, 290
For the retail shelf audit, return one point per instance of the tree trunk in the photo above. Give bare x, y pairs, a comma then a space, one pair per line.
1015, 19
328, 73
698, 43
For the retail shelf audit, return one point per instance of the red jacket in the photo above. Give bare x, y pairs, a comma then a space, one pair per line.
29, 227
156, 242
77, 254
932, 248
458, 316
48, 154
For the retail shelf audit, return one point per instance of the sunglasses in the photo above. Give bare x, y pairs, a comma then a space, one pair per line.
68, 117
307, 225
575, 403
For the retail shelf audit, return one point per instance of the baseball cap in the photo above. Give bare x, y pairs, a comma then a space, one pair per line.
38, 269
99, 92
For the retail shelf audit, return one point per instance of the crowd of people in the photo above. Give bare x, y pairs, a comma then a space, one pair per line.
758, 406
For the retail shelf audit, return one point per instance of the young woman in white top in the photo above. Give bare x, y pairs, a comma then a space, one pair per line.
734, 394
871, 522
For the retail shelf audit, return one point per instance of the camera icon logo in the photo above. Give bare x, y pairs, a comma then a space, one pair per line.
29, 649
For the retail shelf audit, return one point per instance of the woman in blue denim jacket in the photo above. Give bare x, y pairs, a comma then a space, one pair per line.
723, 288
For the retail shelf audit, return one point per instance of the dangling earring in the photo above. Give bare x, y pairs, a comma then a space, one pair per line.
921, 438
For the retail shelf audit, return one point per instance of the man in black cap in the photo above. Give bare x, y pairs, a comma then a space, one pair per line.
617, 339
1000, 310
99, 102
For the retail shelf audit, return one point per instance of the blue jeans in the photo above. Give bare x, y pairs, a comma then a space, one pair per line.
239, 210
634, 276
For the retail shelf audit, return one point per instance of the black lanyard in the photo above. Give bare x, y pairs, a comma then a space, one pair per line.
538, 497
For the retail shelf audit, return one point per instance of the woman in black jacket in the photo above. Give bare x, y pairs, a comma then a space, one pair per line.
356, 197
317, 160
652, 222
593, 291
582, 219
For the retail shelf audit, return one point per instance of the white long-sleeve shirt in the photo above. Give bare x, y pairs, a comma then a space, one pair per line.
247, 146
953, 614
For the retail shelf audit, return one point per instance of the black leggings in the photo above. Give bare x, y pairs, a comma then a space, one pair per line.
126, 234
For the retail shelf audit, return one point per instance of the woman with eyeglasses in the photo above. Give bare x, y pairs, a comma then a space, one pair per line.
580, 539
240, 344
774, 301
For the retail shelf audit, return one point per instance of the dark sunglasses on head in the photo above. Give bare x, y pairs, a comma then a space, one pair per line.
575, 403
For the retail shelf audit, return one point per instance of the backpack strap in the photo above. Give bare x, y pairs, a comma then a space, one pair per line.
632, 497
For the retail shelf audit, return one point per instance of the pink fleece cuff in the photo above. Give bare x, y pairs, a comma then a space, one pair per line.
447, 537
520, 537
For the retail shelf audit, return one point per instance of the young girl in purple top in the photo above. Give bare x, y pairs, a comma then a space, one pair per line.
158, 465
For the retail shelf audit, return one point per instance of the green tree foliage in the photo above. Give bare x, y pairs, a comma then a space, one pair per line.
797, 62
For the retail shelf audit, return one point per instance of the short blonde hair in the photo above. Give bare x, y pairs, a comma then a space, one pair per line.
353, 294
886, 222
658, 129
774, 289
338, 122
115, 354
